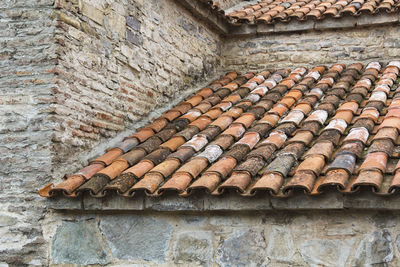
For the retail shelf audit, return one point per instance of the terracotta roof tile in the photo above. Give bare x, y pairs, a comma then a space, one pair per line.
250, 139
207, 182
223, 166
239, 180
134, 156
270, 181
194, 167
68, 186
167, 167
371, 178
319, 116
387, 133
90, 170
268, 11
178, 182
174, 143
197, 142
282, 131
235, 130
108, 157
171, 115
321, 148
211, 153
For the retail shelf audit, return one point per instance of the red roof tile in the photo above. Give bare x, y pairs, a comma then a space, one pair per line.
339, 132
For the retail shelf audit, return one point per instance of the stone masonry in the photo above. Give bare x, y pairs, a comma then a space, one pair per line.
27, 83
78, 74
307, 48
117, 62
326, 238
73, 74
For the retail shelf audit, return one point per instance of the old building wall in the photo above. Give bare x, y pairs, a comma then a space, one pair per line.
74, 74
117, 62
327, 46
273, 238
27, 84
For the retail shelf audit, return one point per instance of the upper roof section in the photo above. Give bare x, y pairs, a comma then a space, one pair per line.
272, 11
276, 16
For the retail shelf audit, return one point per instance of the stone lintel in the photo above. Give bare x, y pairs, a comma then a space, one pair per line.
295, 25
366, 200
230, 202
378, 19
325, 24
301, 201
63, 203
113, 202
337, 23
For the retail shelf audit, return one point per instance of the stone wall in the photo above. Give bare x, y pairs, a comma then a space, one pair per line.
74, 74
312, 47
117, 62
27, 62
327, 238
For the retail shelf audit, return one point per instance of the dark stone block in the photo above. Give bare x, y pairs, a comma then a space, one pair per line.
133, 23
134, 38
78, 243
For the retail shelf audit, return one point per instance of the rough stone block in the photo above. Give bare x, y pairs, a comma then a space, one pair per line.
134, 38
376, 248
133, 22
116, 23
194, 247
398, 242
69, 20
89, 30
281, 246
325, 252
93, 13
198, 220
7, 220
78, 242
244, 247
136, 237
392, 42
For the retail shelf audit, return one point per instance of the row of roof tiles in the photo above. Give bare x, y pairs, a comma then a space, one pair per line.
273, 132
271, 11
